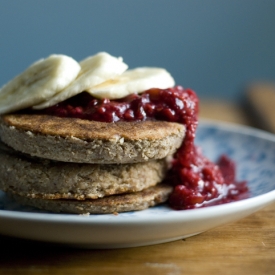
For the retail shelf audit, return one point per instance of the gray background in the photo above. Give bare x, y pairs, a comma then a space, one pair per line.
215, 47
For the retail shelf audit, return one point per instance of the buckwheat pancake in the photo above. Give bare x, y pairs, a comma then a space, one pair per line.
112, 204
83, 141
40, 178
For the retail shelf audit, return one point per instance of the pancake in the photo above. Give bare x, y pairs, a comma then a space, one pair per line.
40, 178
112, 204
83, 141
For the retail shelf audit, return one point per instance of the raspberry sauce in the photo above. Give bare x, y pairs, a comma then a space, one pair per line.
197, 181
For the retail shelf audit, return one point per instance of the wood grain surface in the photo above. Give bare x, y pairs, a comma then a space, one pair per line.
243, 247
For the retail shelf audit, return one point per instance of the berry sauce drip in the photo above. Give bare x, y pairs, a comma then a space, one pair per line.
197, 181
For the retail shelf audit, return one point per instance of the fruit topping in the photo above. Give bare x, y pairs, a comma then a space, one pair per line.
197, 181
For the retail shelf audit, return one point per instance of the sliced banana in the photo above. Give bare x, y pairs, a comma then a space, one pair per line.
133, 81
38, 83
94, 70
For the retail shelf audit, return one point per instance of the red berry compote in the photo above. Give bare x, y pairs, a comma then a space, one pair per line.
197, 181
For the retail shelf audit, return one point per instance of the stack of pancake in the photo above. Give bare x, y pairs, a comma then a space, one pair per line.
78, 166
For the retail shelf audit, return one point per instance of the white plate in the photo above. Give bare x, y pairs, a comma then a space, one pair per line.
252, 150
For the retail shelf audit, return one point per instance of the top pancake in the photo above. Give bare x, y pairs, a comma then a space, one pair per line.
84, 141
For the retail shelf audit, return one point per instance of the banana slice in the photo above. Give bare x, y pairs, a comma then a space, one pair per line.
37, 83
133, 81
94, 70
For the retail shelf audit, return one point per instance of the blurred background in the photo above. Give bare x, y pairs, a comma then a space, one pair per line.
214, 47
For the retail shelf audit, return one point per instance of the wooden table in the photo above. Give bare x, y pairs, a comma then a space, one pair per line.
243, 247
